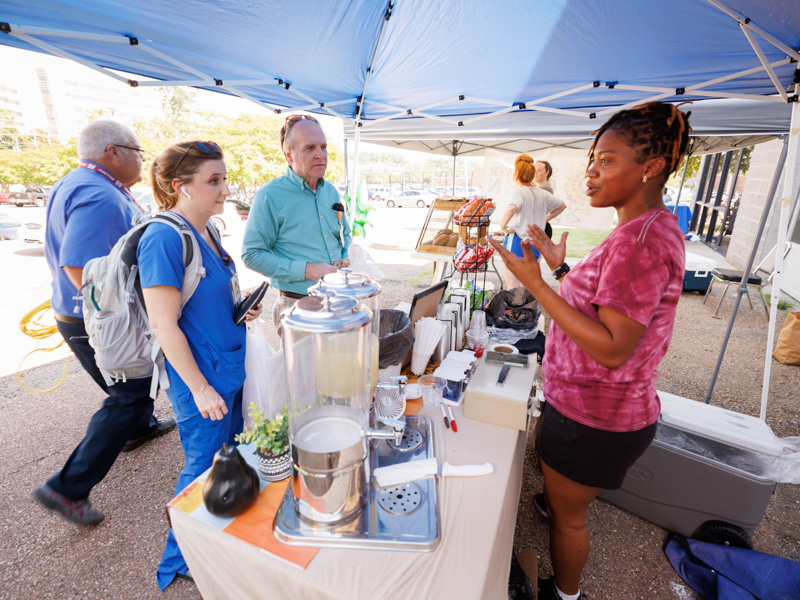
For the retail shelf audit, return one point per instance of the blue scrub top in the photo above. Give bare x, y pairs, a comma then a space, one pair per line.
216, 342
86, 215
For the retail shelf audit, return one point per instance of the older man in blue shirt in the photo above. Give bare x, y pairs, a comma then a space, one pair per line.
294, 233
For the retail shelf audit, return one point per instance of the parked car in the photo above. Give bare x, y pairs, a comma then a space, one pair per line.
379, 193
4, 198
9, 227
236, 211
417, 198
32, 195
32, 232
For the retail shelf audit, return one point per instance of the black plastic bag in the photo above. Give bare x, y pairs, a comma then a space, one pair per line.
514, 309
397, 337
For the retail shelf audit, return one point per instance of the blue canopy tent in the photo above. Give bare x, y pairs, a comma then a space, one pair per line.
456, 63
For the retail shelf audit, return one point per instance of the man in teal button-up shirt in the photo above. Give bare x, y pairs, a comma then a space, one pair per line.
293, 233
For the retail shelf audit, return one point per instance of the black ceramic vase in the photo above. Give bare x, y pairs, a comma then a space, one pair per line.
232, 484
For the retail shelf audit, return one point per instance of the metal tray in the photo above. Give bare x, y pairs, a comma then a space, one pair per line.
400, 518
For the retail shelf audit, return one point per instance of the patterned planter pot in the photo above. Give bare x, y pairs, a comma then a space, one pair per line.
274, 468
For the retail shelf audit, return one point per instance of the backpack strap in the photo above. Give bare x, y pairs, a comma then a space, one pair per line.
191, 279
191, 254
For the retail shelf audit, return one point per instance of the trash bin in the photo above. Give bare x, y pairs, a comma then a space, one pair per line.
396, 339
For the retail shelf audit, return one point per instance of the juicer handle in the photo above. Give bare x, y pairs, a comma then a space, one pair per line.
401, 381
396, 423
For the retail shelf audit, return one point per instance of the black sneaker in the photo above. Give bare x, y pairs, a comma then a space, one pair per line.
164, 426
186, 576
548, 591
77, 511
540, 504
519, 586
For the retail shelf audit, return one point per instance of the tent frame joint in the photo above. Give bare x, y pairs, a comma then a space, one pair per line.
5, 27
132, 40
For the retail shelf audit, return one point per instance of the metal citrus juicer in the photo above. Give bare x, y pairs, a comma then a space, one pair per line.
345, 282
327, 346
326, 341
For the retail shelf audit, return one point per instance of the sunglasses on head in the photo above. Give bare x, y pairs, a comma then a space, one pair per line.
206, 148
291, 120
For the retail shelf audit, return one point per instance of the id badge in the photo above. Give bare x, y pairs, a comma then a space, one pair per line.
236, 292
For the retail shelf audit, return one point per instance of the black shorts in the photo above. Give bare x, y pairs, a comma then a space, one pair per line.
590, 456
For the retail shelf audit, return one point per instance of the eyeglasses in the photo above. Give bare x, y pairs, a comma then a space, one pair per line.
139, 150
206, 148
291, 120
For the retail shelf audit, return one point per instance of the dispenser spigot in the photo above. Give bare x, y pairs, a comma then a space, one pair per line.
398, 427
398, 383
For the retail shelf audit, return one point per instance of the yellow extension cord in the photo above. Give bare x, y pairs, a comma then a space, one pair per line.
32, 326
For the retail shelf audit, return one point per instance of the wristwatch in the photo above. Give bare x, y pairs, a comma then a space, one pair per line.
560, 271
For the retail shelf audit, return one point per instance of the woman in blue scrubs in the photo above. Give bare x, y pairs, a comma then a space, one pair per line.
203, 346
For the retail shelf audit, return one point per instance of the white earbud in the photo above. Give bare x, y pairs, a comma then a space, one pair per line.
185, 193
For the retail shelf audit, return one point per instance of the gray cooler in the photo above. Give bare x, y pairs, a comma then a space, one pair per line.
705, 464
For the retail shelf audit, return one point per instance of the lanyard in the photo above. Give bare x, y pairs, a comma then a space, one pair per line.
85, 164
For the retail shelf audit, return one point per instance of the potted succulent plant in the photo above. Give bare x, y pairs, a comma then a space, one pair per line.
271, 438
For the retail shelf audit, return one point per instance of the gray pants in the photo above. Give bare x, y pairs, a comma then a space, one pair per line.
283, 303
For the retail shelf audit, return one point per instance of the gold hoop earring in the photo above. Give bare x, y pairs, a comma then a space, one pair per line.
644, 179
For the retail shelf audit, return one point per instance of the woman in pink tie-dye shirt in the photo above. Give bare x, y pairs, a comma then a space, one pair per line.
612, 322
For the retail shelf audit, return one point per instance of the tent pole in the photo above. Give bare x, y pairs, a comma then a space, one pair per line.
683, 180
783, 226
346, 169
742, 289
455, 155
354, 194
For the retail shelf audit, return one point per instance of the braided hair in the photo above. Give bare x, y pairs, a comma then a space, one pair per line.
653, 129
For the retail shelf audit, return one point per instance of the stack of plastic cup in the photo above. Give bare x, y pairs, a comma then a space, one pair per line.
477, 341
477, 336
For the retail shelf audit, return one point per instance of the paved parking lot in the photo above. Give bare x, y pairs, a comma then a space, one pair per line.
26, 278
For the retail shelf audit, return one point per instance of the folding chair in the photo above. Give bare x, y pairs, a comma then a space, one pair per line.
732, 277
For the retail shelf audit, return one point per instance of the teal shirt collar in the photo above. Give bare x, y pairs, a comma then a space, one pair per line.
300, 182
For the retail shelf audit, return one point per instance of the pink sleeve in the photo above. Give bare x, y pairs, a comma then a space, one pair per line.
632, 281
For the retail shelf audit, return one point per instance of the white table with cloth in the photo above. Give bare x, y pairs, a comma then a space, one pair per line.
478, 516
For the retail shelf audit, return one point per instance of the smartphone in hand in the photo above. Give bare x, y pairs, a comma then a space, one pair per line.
250, 302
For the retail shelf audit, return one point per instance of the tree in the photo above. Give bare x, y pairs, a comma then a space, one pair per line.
11, 138
180, 122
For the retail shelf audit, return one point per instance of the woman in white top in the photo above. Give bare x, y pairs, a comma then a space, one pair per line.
543, 174
528, 205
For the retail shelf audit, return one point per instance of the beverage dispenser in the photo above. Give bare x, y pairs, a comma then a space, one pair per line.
344, 282
327, 345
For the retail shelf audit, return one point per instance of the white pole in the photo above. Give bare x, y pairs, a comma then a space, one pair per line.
354, 191
783, 225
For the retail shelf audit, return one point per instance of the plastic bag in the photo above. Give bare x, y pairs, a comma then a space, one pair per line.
260, 384
396, 338
788, 349
514, 309
361, 262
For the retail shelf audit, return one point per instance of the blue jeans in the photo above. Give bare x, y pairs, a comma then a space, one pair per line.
201, 439
126, 413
